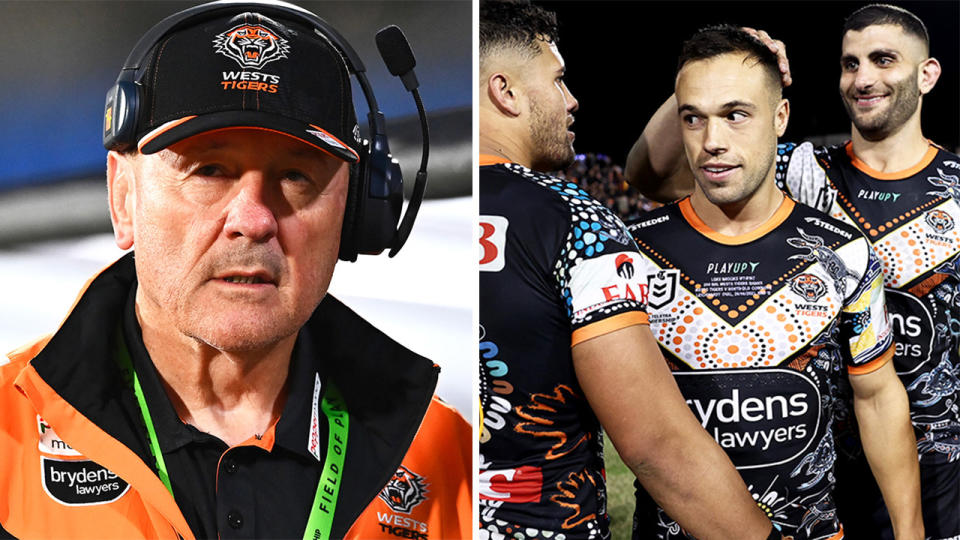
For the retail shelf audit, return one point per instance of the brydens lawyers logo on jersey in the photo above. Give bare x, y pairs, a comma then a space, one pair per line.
405, 490
251, 45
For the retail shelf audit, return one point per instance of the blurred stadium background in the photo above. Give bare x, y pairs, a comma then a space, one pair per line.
620, 65
60, 57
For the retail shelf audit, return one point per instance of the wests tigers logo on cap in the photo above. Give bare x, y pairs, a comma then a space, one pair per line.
251, 45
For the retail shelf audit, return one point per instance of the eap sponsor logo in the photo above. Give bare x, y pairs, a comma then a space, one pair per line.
80, 483
759, 417
492, 242
519, 485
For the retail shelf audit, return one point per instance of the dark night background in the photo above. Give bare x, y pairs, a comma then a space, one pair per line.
621, 60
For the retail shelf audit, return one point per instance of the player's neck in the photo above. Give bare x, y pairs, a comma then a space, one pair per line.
231, 395
506, 148
742, 217
505, 138
898, 151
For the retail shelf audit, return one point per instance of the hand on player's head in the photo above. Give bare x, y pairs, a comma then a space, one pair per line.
778, 48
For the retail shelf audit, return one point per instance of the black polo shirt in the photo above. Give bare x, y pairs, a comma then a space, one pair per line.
262, 488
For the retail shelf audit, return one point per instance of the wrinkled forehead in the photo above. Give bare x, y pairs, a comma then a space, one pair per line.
882, 37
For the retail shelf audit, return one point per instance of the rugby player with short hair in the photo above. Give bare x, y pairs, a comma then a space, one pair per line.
564, 342
899, 188
762, 305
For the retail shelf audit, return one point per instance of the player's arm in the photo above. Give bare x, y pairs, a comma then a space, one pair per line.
883, 412
632, 392
656, 164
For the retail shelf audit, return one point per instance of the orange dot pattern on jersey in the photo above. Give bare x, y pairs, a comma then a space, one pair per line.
697, 329
853, 215
917, 248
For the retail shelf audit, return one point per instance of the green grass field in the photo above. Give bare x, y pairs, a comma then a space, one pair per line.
620, 497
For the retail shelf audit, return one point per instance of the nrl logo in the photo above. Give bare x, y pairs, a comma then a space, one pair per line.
405, 490
662, 288
251, 45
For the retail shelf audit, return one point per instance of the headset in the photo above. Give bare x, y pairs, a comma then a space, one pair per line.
371, 221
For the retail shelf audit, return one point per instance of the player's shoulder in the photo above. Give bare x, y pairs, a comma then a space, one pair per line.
825, 225
947, 158
654, 221
810, 152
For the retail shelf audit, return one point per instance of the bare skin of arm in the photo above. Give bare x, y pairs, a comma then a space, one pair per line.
656, 164
882, 410
633, 393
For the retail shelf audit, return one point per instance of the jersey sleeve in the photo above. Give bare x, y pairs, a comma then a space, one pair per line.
596, 270
801, 172
864, 321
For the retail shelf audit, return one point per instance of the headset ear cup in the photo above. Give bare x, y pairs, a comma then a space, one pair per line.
352, 212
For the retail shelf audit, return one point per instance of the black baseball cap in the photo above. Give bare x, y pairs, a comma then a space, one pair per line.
247, 71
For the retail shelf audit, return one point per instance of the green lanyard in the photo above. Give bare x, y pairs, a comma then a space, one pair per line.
324, 505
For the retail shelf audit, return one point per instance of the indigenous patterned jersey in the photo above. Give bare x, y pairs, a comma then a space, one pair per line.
758, 329
911, 218
549, 257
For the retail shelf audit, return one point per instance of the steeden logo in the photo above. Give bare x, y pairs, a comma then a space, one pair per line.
251, 45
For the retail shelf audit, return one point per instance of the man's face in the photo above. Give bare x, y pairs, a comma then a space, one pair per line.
879, 78
551, 108
236, 235
731, 115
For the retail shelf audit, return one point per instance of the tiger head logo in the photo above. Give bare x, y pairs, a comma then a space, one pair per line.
809, 287
251, 45
939, 220
405, 490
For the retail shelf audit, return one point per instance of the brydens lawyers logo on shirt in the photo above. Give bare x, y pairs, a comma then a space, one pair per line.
251, 45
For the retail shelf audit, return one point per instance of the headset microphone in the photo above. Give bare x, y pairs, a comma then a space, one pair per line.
399, 59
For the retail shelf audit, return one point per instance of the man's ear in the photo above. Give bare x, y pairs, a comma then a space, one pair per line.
781, 116
928, 74
121, 196
503, 94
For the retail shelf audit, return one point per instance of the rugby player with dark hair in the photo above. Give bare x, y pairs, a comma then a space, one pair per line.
564, 341
786, 302
899, 188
